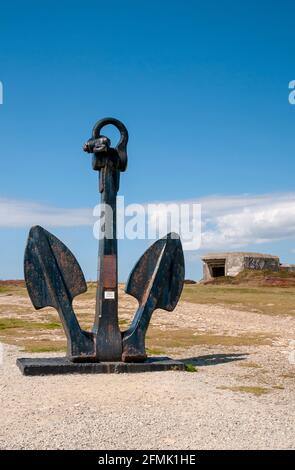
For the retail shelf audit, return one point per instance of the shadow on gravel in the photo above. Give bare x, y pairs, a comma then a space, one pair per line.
214, 359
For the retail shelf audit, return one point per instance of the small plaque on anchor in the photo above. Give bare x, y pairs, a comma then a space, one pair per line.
109, 294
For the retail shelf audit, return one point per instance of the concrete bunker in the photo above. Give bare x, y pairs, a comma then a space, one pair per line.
231, 264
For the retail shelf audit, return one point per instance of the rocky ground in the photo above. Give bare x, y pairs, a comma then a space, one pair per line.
241, 395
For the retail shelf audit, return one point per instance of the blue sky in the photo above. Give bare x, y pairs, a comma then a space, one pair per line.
203, 90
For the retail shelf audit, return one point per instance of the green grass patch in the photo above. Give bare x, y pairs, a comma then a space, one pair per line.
155, 352
8, 323
190, 368
40, 348
4, 289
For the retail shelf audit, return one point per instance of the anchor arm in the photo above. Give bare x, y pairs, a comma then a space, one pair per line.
156, 281
53, 278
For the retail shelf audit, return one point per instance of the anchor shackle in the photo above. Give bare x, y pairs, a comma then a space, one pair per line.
99, 145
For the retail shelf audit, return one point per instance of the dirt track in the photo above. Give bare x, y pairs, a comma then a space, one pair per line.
240, 397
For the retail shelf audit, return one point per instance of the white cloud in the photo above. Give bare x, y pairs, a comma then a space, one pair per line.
232, 222
228, 222
14, 213
242, 220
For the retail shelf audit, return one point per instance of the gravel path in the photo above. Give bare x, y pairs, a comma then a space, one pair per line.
163, 410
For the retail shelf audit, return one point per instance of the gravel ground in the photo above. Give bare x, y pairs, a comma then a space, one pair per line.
163, 410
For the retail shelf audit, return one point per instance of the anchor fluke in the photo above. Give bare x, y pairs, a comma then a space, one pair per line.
53, 278
156, 281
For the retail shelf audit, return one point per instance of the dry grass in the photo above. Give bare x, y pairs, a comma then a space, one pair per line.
266, 300
186, 338
39, 346
289, 375
18, 323
262, 278
249, 364
36, 343
272, 301
253, 390
10, 289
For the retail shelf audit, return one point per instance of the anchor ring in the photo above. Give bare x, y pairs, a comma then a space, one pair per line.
121, 147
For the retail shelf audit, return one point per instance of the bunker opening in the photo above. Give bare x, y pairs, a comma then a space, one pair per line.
218, 271
216, 267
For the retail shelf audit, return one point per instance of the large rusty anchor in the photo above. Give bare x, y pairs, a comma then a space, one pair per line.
54, 277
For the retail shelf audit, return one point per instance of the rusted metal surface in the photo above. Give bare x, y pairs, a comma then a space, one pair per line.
54, 277
110, 268
156, 281
99, 144
109, 162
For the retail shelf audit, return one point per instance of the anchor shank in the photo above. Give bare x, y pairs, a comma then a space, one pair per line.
106, 326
